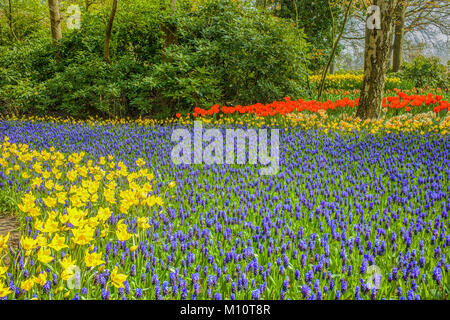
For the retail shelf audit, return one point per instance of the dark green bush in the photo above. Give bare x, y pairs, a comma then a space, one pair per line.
426, 71
224, 53
315, 18
72, 79
229, 55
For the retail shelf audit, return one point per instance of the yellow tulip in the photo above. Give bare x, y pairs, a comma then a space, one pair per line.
44, 255
28, 284
28, 244
4, 242
4, 291
117, 278
41, 279
93, 259
58, 243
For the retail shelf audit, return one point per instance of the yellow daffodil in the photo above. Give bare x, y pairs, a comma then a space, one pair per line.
3, 272
4, 291
104, 214
117, 278
28, 244
28, 284
172, 184
4, 242
83, 236
123, 235
44, 255
41, 279
58, 243
67, 262
93, 259
143, 223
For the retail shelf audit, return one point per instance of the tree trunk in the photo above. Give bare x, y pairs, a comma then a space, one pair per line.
109, 27
10, 18
398, 39
10, 21
55, 20
376, 54
333, 66
169, 30
391, 50
333, 49
170, 36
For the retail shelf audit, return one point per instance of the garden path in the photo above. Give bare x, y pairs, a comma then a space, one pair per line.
9, 224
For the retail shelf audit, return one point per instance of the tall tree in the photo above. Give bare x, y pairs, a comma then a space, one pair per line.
376, 57
55, 20
11, 20
169, 28
399, 22
317, 21
335, 45
419, 18
109, 27
427, 16
87, 4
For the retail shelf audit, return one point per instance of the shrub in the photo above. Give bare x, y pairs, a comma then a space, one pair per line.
424, 71
224, 52
228, 54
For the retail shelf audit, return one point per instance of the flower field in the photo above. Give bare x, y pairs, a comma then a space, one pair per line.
349, 81
358, 210
413, 104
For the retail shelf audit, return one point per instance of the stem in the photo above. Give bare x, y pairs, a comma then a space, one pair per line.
10, 20
109, 31
296, 13
333, 51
